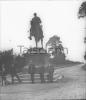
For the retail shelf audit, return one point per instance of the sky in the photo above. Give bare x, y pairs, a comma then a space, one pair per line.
58, 18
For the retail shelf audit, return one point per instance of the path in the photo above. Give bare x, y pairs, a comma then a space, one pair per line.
72, 86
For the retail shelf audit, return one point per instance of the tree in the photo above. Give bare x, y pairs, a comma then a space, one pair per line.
6, 57
82, 10
82, 14
55, 44
53, 41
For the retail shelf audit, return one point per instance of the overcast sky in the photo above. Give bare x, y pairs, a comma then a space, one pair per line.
58, 18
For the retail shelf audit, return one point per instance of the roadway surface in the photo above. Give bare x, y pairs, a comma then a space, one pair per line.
71, 86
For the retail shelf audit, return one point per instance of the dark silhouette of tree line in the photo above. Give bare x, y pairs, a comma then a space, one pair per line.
7, 57
82, 14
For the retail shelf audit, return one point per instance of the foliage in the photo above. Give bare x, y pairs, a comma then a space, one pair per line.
82, 14
82, 10
7, 58
56, 44
54, 41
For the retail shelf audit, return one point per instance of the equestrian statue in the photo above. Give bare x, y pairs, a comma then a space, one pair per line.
36, 30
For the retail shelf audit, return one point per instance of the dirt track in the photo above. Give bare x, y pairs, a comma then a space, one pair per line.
72, 86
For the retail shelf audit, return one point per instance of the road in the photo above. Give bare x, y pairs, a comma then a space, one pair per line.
71, 86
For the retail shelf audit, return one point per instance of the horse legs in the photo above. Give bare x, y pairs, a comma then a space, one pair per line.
42, 42
36, 44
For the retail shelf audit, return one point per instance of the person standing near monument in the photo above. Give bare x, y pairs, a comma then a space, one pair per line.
32, 71
51, 71
13, 73
41, 72
3, 74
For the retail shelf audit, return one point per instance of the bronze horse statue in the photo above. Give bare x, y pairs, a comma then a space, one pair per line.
36, 30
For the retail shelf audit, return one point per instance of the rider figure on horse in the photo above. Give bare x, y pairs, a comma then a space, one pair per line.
35, 20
